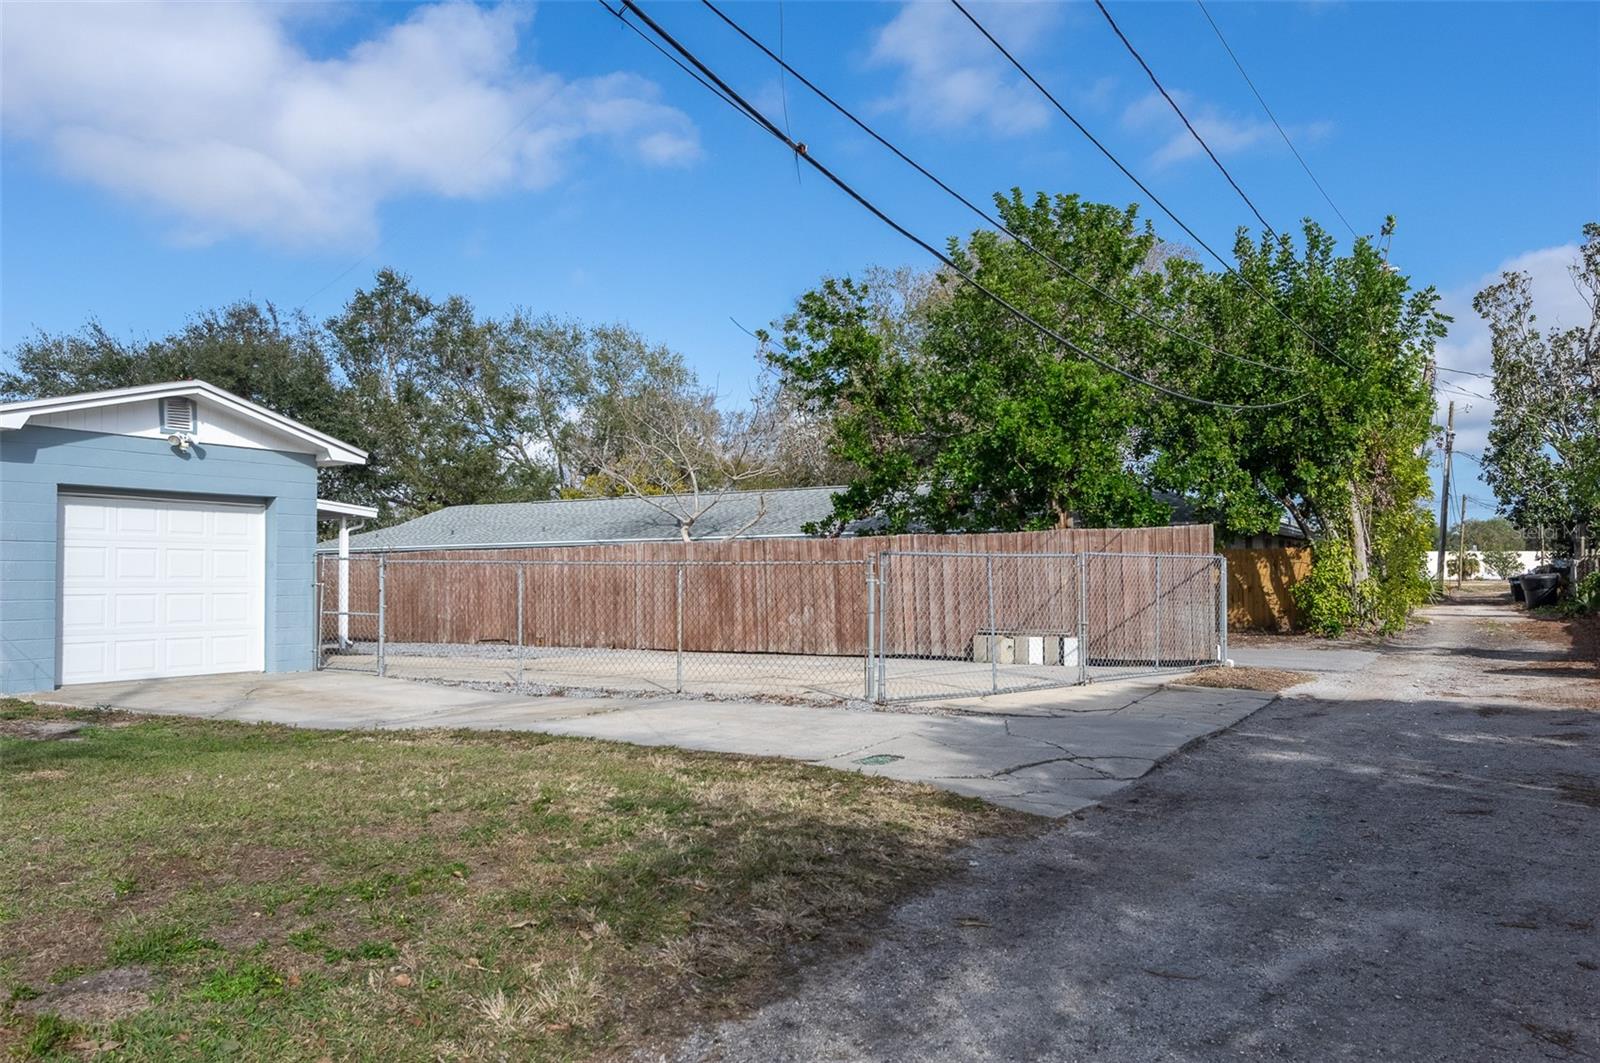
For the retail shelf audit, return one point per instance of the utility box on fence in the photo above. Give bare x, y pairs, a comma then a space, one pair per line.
1016, 647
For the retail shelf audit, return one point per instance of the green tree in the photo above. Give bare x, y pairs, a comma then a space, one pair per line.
956, 416
247, 348
1543, 457
1347, 461
1503, 563
430, 399
1493, 533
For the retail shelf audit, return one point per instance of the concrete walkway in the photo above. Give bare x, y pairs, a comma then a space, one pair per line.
1094, 742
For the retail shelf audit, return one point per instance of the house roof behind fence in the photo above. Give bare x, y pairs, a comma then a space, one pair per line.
780, 513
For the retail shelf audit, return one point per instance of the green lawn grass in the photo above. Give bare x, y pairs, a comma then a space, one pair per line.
340, 895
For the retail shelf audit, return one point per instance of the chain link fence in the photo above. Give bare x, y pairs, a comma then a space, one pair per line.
900, 626
775, 630
953, 625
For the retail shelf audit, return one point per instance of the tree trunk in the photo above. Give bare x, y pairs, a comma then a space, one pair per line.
1358, 540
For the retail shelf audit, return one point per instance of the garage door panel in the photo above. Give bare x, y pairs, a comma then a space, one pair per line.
82, 518
160, 587
185, 608
135, 657
83, 611
231, 565
136, 609
231, 652
84, 562
230, 608
233, 526
83, 658
184, 655
185, 563
186, 523
136, 563
132, 520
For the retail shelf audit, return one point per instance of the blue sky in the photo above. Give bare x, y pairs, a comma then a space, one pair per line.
160, 160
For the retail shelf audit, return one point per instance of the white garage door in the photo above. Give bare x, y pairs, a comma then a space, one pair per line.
160, 587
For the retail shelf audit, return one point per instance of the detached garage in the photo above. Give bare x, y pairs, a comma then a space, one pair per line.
157, 531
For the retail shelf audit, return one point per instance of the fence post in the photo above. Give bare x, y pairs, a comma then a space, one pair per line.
316, 626
1222, 608
994, 665
521, 653
382, 601
1158, 610
679, 688
872, 625
883, 620
1083, 618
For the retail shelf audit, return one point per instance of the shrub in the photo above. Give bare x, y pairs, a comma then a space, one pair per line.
1327, 606
1586, 594
1503, 563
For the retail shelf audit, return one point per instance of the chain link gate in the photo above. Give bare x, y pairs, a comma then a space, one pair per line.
955, 625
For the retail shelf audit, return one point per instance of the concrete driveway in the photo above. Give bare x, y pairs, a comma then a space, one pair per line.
1051, 755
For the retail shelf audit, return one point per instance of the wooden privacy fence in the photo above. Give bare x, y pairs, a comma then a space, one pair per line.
1260, 584
788, 596
1123, 607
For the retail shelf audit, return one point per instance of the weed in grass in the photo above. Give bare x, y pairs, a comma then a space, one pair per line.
310, 941
504, 1014
50, 1034
157, 946
239, 981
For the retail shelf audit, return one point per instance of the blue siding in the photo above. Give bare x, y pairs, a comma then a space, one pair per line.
36, 463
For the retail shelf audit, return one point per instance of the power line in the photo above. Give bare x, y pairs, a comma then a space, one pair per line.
1456, 390
1168, 211
1193, 132
1281, 131
679, 63
730, 95
1464, 372
997, 222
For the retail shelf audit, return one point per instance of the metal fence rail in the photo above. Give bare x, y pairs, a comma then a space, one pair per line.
901, 625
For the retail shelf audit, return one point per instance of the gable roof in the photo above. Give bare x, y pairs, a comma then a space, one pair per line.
585, 521
328, 450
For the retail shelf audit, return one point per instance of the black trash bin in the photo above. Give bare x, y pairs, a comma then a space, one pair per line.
1516, 589
1541, 589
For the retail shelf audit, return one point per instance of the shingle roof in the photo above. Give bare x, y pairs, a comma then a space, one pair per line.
578, 521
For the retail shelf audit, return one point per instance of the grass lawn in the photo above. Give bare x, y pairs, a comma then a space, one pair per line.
257, 892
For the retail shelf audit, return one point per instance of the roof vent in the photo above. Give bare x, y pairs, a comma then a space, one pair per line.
177, 415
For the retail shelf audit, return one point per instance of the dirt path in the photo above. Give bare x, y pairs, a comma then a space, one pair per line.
1402, 864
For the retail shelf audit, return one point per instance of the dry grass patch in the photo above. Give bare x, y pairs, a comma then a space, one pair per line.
302, 895
1246, 678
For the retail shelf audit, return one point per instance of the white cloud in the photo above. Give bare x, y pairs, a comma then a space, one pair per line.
1226, 133
1557, 305
216, 115
951, 77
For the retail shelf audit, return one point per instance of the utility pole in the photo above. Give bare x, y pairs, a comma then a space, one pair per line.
1444, 495
1461, 543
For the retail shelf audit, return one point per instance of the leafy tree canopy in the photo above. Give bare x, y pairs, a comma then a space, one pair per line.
1543, 457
